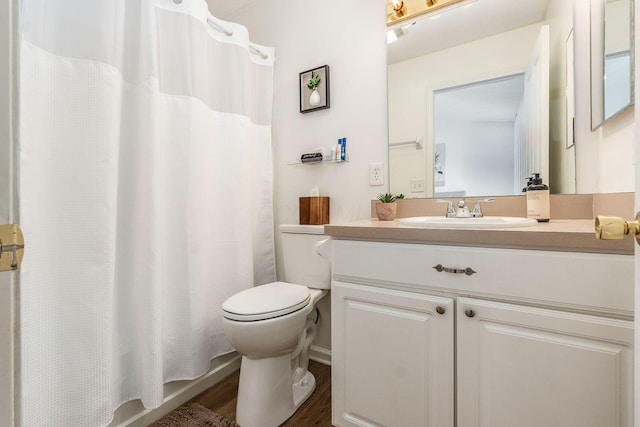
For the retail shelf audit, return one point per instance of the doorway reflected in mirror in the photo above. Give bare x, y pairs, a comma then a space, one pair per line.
476, 126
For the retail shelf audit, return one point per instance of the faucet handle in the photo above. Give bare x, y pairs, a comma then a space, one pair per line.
451, 211
477, 210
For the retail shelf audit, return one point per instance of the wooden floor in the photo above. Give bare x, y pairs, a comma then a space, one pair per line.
316, 411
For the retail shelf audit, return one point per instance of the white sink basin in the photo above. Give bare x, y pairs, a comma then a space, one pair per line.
487, 222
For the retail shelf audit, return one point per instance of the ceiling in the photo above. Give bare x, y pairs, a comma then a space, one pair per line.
454, 25
462, 23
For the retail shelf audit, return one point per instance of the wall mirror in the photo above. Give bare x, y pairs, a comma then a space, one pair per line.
612, 59
447, 117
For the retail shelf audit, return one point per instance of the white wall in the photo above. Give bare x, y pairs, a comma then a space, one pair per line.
605, 158
350, 37
479, 157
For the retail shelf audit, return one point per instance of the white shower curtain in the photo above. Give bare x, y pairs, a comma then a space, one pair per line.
146, 200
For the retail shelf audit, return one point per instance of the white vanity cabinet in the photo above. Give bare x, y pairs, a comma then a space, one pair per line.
530, 338
392, 357
526, 366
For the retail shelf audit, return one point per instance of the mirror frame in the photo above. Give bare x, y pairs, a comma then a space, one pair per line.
570, 92
597, 8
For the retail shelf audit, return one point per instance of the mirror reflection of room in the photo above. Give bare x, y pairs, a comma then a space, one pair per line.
486, 41
476, 133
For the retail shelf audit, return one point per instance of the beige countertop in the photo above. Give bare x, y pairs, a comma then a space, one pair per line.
556, 235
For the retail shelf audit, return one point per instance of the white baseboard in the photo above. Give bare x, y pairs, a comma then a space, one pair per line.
320, 355
133, 414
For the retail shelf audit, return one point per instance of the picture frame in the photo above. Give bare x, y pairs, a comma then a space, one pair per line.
314, 89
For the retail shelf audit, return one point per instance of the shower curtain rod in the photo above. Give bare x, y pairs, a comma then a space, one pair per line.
213, 24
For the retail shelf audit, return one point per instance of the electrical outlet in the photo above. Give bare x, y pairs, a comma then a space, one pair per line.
417, 185
376, 175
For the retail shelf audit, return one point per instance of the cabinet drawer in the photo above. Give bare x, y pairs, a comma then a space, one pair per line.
577, 281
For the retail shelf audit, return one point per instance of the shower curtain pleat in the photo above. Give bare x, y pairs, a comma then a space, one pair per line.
146, 199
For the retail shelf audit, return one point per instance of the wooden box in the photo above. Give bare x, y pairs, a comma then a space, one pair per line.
314, 210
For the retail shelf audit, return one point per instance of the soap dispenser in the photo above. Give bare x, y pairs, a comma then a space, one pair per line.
538, 206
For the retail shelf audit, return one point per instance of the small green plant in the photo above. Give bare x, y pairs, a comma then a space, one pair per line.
390, 197
314, 81
387, 198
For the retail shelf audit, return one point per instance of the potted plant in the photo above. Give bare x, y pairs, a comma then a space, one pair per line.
312, 85
387, 206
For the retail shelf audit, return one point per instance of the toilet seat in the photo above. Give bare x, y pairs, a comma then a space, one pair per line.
266, 302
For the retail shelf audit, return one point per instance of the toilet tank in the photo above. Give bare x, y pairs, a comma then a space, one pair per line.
302, 264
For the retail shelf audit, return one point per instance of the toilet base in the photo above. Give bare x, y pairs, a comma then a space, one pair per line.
266, 396
303, 389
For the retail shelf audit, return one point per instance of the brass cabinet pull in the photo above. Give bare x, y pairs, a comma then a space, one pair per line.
469, 313
440, 310
468, 271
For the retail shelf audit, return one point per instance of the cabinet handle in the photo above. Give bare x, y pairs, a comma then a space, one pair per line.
440, 310
468, 271
469, 313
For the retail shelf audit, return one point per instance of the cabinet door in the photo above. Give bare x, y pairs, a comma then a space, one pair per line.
524, 366
392, 358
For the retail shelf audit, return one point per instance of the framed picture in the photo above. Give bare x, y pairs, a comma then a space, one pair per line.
314, 89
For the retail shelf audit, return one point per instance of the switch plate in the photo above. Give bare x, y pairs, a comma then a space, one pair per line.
376, 175
417, 185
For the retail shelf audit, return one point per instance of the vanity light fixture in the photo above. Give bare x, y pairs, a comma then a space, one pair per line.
401, 10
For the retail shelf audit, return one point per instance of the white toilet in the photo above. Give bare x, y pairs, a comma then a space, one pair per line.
272, 327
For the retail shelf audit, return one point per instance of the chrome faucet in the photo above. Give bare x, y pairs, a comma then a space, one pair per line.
463, 210
477, 210
451, 212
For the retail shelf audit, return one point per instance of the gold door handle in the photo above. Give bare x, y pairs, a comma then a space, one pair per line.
11, 247
614, 228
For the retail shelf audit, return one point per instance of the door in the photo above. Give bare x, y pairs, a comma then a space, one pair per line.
637, 209
392, 358
532, 122
529, 366
8, 27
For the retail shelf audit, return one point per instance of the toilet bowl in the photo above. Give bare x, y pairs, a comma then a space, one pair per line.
272, 326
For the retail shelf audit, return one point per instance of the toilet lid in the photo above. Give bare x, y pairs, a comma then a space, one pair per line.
266, 302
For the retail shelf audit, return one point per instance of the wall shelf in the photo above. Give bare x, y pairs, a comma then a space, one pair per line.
322, 162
